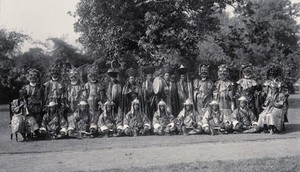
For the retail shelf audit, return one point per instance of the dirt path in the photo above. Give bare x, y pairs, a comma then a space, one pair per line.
149, 156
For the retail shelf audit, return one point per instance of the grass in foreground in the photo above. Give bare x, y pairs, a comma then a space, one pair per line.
266, 164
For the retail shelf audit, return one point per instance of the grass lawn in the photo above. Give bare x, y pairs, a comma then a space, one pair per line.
251, 165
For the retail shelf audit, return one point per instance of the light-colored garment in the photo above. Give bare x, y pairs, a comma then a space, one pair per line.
202, 94
54, 122
22, 122
273, 114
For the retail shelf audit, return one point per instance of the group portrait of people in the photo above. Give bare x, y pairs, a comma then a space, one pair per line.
159, 105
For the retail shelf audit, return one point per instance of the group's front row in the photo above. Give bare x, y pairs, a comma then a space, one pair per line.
111, 122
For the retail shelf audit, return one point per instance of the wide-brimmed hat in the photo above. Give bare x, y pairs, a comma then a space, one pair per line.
112, 72
82, 103
149, 70
243, 98
214, 102
136, 101
188, 102
131, 72
183, 70
162, 103
52, 104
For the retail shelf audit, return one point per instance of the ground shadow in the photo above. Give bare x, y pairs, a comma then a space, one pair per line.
292, 128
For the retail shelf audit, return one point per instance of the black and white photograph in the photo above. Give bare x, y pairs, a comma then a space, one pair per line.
150, 85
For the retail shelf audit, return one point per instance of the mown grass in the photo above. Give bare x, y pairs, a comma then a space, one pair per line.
252, 165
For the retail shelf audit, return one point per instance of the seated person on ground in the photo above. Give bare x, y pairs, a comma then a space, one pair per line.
213, 121
110, 121
188, 121
135, 121
163, 120
243, 119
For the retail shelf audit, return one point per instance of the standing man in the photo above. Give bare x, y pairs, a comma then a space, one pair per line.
148, 94
170, 94
184, 86
53, 88
131, 90
94, 94
223, 93
203, 90
34, 95
114, 89
247, 87
73, 96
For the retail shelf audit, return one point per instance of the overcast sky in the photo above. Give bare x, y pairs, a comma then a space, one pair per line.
41, 19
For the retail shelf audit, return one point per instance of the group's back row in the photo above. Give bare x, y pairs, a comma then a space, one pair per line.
159, 106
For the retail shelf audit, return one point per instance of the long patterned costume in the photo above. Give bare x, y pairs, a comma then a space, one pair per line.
53, 88
184, 87
22, 121
273, 114
214, 120
54, 122
243, 119
114, 89
163, 120
247, 87
110, 121
136, 122
223, 93
188, 121
131, 91
34, 95
94, 94
149, 106
170, 94
79, 121
202, 90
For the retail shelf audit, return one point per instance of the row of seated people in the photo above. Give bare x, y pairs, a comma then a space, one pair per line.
188, 122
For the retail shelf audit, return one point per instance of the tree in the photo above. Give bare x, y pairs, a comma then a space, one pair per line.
143, 32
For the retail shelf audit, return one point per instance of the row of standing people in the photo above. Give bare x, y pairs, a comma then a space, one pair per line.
66, 105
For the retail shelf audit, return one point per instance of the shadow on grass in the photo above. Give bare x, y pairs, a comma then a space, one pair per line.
292, 128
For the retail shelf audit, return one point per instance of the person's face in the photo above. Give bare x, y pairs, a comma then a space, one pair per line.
162, 108
73, 78
188, 107
183, 76
113, 79
131, 79
215, 107
92, 78
173, 77
149, 76
82, 108
136, 107
167, 76
243, 104
108, 108
223, 73
33, 79
52, 109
